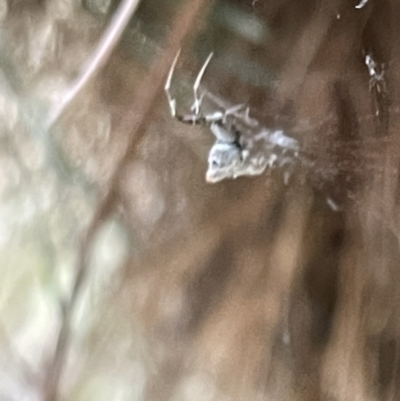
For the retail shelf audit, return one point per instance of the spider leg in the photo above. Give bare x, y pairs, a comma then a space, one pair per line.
251, 121
197, 99
171, 100
233, 110
195, 118
242, 112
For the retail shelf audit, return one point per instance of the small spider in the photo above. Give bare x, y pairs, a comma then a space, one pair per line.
377, 74
228, 152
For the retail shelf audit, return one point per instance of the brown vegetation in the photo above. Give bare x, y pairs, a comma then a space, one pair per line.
157, 286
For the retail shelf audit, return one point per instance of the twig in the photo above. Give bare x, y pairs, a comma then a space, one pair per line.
135, 125
99, 57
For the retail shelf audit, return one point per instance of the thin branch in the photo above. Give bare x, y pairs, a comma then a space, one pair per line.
134, 125
99, 58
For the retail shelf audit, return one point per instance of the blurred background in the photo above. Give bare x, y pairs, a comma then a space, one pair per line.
125, 276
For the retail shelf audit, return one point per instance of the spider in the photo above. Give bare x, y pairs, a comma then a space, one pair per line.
377, 74
228, 152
